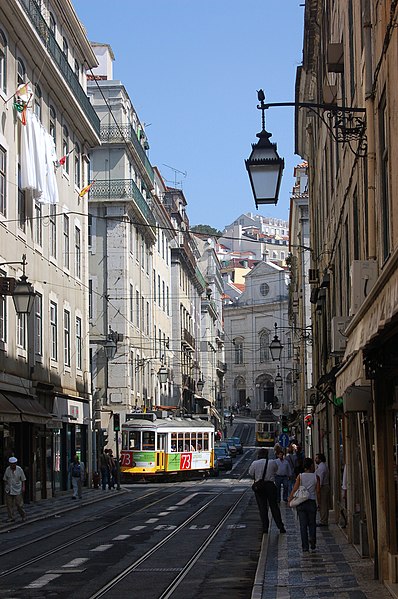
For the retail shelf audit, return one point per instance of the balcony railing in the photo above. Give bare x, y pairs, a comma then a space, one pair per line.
55, 51
188, 338
222, 366
122, 189
121, 134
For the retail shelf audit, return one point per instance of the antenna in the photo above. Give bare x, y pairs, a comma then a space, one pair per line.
175, 170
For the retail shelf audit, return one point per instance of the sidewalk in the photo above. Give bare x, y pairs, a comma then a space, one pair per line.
46, 508
335, 570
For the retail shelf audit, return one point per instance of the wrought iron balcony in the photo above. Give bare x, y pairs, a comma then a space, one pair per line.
47, 37
188, 339
221, 366
125, 133
122, 189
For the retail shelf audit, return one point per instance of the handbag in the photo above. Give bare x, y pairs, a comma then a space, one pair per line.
260, 485
299, 496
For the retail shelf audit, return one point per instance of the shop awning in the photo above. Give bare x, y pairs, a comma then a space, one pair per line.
16, 407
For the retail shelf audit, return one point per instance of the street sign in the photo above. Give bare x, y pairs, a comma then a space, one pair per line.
284, 440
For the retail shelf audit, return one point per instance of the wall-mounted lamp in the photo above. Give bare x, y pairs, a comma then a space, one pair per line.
200, 384
22, 292
163, 375
276, 346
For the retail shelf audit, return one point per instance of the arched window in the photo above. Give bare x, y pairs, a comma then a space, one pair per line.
37, 103
65, 148
65, 47
264, 346
21, 72
238, 343
53, 124
77, 166
3, 62
52, 24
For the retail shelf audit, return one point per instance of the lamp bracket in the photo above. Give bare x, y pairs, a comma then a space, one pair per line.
346, 124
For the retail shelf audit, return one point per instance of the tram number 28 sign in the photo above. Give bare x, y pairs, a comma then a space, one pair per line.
186, 461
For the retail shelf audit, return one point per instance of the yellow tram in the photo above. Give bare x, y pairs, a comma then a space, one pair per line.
266, 428
155, 446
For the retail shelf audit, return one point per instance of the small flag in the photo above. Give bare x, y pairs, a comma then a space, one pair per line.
62, 160
86, 189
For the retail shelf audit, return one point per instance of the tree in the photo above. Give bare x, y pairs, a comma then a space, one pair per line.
206, 230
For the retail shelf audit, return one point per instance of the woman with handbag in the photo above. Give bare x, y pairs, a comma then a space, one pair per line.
306, 485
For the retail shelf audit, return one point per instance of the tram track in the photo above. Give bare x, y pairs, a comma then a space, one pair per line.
184, 570
79, 538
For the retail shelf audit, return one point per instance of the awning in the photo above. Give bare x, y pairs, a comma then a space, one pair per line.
351, 373
16, 407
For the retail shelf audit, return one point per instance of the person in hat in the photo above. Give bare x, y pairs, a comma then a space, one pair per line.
14, 478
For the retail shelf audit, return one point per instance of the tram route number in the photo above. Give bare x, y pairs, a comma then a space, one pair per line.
186, 461
127, 459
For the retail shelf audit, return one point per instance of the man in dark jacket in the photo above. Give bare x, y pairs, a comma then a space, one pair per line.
268, 497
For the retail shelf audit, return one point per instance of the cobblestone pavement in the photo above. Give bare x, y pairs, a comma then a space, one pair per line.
335, 570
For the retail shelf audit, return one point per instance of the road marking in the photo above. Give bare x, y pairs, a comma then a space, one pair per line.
172, 508
164, 514
76, 562
151, 520
186, 499
121, 537
196, 527
236, 526
42, 581
101, 548
137, 527
165, 527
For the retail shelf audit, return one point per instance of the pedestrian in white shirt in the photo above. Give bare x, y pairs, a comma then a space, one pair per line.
14, 478
322, 472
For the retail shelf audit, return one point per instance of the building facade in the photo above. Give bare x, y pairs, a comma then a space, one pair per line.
47, 129
349, 61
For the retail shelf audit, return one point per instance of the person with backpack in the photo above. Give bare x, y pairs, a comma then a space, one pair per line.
76, 473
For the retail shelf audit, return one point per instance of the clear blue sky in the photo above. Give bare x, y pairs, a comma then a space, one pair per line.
192, 69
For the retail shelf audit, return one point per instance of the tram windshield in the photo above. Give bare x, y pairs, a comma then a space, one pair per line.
131, 440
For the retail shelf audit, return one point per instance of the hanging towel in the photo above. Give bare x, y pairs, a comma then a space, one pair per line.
28, 169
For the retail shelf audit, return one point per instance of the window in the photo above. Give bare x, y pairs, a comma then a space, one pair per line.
53, 124
164, 296
21, 331
66, 337
3, 314
238, 352
137, 309
21, 203
154, 285
66, 241
264, 346
54, 330
38, 227
3, 181
90, 298
147, 318
159, 293
52, 24
78, 343
384, 179
264, 289
77, 68
90, 230
3, 62
38, 325
131, 238
37, 102
168, 301
65, 148
65, 47
53, 231
21, 72
78, 254
77, 166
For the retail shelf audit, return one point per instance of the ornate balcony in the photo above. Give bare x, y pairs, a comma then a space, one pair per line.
188, 339
56, 53
125, 133
122, 189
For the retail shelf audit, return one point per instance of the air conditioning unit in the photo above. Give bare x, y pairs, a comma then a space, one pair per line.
313, 275
363, 275
338, 340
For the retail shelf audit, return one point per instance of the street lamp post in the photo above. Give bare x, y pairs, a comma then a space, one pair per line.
276, 346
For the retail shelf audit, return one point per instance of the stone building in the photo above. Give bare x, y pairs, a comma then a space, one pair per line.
47, 129
349, 63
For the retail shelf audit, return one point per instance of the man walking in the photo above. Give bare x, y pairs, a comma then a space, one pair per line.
76, 472
266, 469
282, 476
14, 478
322, 472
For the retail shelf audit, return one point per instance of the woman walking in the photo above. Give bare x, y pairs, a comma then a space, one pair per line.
307, 510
